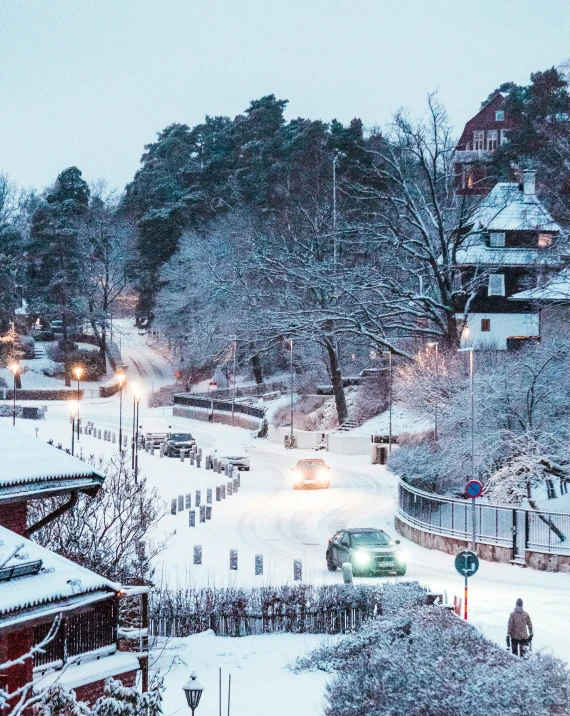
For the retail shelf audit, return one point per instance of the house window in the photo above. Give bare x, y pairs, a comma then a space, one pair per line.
544, 240
500, 115
492, 139
485, 325
496, 284
497, 239
478, 141
504, 136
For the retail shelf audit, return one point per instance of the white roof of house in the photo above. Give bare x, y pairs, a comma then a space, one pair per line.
59, 579
557, 289
25, 459
477, 253
505, 209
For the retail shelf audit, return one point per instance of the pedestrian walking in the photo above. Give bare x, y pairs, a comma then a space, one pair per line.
519, 630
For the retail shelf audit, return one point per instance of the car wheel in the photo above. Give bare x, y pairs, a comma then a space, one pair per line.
401, 571
246, 469
331, 566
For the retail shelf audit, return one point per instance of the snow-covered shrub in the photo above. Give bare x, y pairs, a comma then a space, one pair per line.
427, 662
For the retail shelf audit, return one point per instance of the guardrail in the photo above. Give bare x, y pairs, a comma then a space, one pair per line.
218, 405
517, 528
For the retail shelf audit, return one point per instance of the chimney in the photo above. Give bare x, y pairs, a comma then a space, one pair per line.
529, 185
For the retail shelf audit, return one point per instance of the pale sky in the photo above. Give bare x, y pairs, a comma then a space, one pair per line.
90, 82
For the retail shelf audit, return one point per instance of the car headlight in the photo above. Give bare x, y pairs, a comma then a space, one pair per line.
322, 474
297, 475
402, 556
361, 557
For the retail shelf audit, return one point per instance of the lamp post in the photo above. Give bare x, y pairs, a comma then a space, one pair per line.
15, 368
121, 381
74, 410
78, 372
234, 382
193, 690
390, 394
137, 400
292, 438
135, 388
435, 344
472, 395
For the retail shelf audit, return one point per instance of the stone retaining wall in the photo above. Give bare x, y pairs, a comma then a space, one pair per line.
240, 421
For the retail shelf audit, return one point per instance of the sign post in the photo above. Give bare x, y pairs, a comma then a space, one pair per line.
467, 564
473, 489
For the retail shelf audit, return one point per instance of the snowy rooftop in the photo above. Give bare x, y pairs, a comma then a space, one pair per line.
557, 289
59, 580
34, 464
508, 208
476, 252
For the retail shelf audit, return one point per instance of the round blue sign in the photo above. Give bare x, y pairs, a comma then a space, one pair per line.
474, 488
467, 563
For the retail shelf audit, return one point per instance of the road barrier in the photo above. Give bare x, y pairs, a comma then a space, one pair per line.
538, 538
221, 406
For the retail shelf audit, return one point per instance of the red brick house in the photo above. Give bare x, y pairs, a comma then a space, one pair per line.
39, 588
482, 134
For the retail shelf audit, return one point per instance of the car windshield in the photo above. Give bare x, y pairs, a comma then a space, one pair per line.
370, 539
310, 464
179, 437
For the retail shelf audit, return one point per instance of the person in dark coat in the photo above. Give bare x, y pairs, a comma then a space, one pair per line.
519, 630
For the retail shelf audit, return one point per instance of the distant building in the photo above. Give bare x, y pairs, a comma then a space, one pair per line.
482, 134
512, 245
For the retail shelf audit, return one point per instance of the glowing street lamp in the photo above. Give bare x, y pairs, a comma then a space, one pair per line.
74, 412
137, 394
78, 372
15, 368
121, 380
193, 690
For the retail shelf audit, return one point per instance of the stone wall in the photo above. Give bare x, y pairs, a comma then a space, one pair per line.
240, 420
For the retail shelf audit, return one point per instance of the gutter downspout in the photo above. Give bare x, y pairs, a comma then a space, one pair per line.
53, 515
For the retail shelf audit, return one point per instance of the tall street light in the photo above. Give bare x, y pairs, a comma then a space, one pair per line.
121, 380
15, 368
435, 344
137, 400
234, 382
135, 389
74, 411
78, 372
472, 392
193, 690
292, 381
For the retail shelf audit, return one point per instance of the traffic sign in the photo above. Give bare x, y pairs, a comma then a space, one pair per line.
474, 488
467, 563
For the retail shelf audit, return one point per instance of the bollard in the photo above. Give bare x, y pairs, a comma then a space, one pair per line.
220, 467
218, 494
161, 451
180, 503
223, 491
197, 554
113, 438
298, 570
209, 495
207, 463
233, 559
198, 498
202, 513
188, 501
182, 455
208, 512
198, 462
239, 478
151, 450
173, 507
200, 453
99, 434
191, 457
192, 518
229, 490
258, 564
146, 446
227, 469
125, 441
235, 485
347, 572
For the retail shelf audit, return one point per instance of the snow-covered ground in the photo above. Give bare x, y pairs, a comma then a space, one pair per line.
403, 421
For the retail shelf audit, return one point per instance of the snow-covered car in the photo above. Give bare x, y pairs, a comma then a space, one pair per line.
154, 430
177, 442
311, 473
232, 453
369, 551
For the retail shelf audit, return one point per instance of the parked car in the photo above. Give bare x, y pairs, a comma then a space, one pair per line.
155, 430
311, 473
232, 453
177, 442
369, 551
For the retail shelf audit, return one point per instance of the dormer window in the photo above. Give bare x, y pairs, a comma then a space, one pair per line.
496, 284
544, 240
500, 115
478, 141
497, 239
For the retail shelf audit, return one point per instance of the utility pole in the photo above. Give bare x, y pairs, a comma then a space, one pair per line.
291, 391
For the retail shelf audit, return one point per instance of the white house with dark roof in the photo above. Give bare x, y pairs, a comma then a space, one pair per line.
512, 245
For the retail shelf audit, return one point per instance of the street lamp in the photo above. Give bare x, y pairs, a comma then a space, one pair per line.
390, 395
78, 372
234, 382
74, 411
435, 344
121, 381
470, 351
292, 382
137, 399
15, 368
193, 690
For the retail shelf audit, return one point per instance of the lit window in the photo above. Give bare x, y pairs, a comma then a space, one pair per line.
497, 239
500, 115
470, 181
478, 141
544, 240
492, 139
496, 284
485, 325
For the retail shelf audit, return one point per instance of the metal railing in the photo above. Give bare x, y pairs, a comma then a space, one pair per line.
517, 528
222, 406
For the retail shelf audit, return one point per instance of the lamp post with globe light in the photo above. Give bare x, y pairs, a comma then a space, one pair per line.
74, 411
193, 690
137, 399
78, 372
15, 368
121, 380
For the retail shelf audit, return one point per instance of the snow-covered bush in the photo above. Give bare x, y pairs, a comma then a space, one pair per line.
427, 662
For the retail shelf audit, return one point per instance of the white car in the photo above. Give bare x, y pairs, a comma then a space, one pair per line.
232, 453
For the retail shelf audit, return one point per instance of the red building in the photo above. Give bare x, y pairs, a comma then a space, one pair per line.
482, 134
42, 591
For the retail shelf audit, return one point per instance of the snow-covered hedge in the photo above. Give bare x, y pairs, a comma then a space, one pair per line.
427, 662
